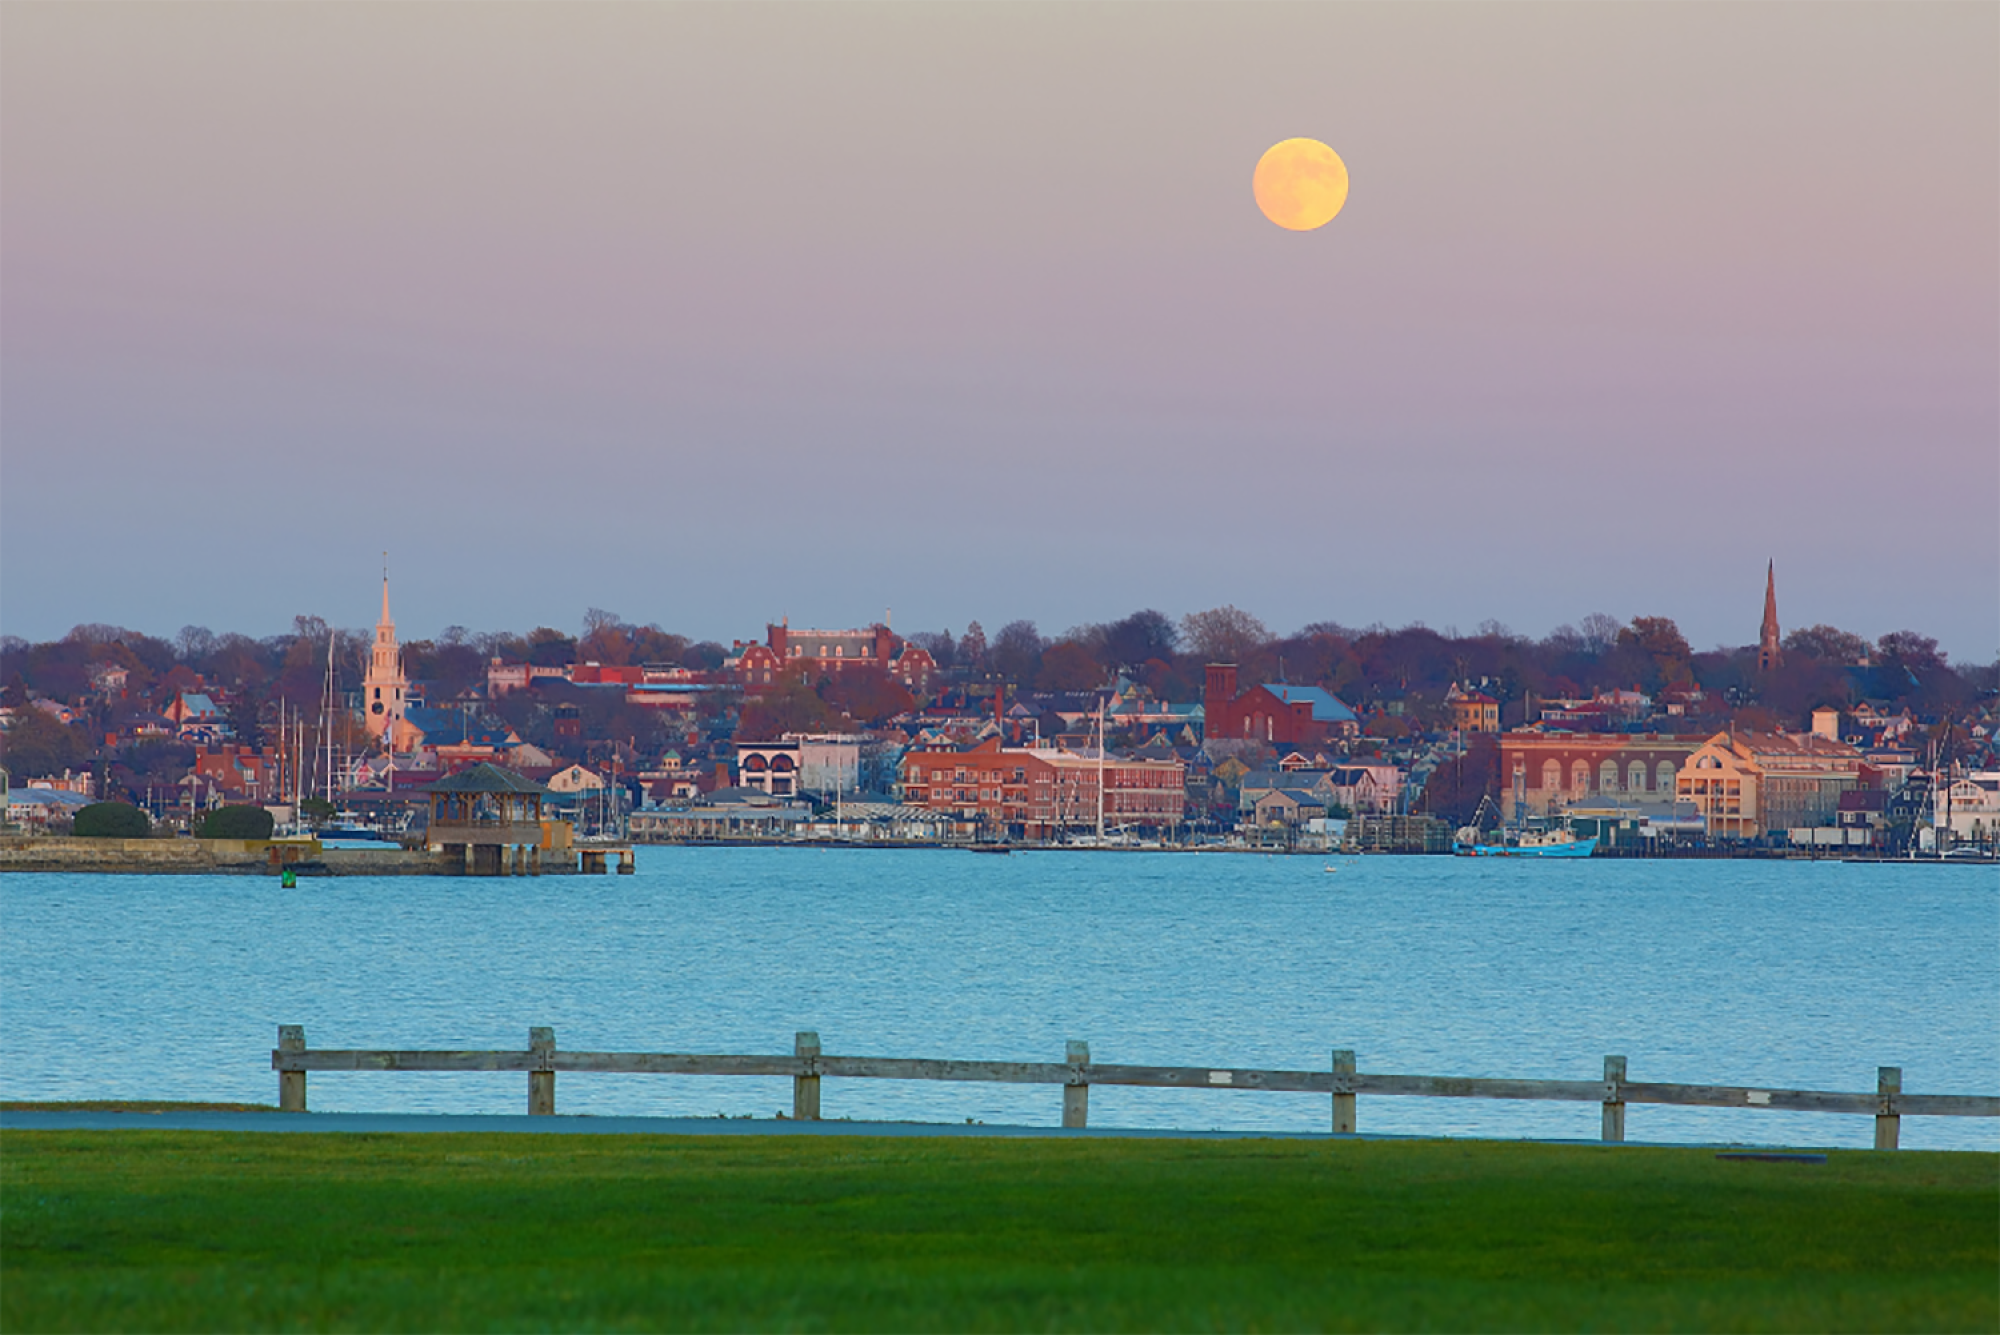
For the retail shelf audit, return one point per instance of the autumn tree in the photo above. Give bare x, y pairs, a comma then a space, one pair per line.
1069, 667
1662, 645
867, 694
38, 744
790, 705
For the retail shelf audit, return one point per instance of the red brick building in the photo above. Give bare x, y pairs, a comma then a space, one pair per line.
1036, 792
1279, 713
1541, 772
823, 651
244, 773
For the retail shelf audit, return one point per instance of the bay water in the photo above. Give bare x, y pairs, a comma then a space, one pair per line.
1788, 975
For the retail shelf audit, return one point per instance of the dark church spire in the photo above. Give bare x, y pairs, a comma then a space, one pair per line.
1769, 655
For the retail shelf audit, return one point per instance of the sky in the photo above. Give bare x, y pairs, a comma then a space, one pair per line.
709, 315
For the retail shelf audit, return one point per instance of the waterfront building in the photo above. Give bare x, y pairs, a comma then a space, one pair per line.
1747, 785
1360, 788
1545, 771
1039, 792
1969, 808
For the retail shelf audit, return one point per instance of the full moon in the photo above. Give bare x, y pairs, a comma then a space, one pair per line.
1300, 184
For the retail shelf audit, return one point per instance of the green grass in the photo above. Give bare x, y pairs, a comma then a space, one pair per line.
160, 1230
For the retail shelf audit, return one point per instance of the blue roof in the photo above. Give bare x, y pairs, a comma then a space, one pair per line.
442, 727
1325, 709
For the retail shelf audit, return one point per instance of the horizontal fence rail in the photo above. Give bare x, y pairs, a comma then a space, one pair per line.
807, 1066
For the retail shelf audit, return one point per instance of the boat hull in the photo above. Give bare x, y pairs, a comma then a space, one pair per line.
1582, 848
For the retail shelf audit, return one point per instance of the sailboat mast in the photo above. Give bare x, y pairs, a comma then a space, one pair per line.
1100, 773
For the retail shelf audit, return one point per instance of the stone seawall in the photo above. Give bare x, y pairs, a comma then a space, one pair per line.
249, 857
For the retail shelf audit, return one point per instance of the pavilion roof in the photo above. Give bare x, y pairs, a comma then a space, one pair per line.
487, 777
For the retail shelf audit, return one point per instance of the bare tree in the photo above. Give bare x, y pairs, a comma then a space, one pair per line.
1599, 631
1225, 634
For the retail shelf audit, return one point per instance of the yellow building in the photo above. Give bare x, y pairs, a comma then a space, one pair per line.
1473, 711
1748, 784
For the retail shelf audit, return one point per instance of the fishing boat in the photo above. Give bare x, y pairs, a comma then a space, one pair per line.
1519, 841
1534, 844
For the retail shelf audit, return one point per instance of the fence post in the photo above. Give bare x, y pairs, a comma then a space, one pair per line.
805, 1087
291, 1084
1888, 1122
1076, 1091
1614, 1100
1343, 1091
541, 1080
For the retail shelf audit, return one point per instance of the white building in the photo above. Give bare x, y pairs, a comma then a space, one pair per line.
1969, 808
385, 690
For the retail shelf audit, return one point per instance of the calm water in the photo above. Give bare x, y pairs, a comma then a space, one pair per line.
1796, 975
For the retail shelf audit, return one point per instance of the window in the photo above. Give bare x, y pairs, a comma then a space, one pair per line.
1607, 777
1579, 776
1664, 776
1551, 775
1635, 776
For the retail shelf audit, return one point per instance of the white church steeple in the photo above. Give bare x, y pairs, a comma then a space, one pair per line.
384, 689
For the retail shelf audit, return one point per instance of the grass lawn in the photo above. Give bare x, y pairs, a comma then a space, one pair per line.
160, 1230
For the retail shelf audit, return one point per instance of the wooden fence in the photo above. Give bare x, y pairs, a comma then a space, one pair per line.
1076, 1073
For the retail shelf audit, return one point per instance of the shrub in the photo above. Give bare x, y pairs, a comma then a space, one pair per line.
237, 823
111, 820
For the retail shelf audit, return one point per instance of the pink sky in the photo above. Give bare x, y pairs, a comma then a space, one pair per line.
711, 314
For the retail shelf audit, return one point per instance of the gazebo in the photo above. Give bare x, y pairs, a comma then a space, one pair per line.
491, 818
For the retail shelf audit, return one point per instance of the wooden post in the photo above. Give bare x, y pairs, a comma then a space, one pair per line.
542, 1083
1076, 1093
1343, 1091
805, 1088
291, 1084
1888, 1122
1614, 1100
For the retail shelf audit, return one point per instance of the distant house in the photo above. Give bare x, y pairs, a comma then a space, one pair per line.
575, 779
1288, 806
192, 713
1472, 710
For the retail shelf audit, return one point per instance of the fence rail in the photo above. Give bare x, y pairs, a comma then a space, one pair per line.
807, 1066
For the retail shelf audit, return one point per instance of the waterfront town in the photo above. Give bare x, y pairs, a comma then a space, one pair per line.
1209, 731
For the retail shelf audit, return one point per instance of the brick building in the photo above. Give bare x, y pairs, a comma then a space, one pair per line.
1542, 772
1279, 713
1037, 792
823, 651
